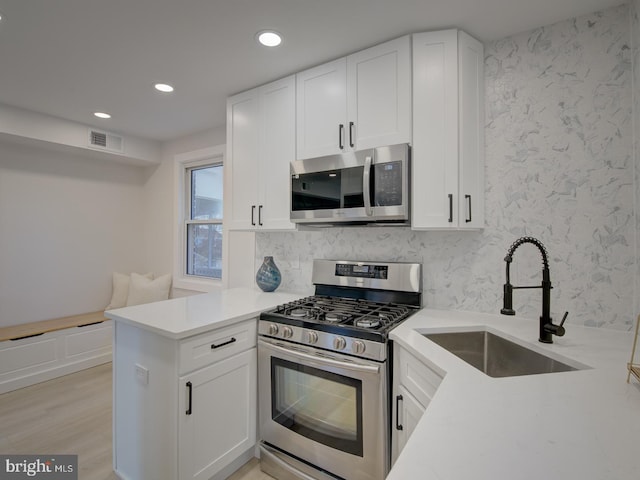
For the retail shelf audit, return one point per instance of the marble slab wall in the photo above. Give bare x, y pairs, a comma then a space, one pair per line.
559, 167
635, 41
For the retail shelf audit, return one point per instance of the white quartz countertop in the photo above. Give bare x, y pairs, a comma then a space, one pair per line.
186, 316
574, 425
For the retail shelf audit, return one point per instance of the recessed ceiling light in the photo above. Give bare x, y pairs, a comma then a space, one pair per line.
269, 38
102, 115
164, 88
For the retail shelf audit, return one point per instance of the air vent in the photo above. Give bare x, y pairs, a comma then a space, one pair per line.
105, 141
98, 139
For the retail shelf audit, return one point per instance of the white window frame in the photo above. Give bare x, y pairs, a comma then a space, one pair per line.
182, 163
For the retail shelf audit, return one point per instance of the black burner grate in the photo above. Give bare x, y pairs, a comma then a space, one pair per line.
356, 313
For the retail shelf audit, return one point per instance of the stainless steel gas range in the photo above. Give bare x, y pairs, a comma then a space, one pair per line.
324, 373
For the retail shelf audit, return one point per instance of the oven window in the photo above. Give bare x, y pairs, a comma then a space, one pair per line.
322, 406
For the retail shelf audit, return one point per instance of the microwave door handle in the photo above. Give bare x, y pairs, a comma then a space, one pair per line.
366, 185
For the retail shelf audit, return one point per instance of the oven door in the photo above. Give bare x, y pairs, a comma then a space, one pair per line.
324, 408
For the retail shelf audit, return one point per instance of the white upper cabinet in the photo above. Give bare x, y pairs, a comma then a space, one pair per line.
242, 158
379, 95
277, 151
357, 102
260, 147
321, 106
448, 131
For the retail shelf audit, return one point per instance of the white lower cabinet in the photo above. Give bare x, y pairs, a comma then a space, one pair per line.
217, 415
408, 412
184, 409
414, 384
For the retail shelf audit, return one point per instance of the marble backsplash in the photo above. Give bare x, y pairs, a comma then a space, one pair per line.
635, 41
559, 167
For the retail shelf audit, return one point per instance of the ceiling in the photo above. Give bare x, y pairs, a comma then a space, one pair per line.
70, 58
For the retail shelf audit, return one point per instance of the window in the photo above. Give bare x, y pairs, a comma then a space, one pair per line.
203, 224
199, 239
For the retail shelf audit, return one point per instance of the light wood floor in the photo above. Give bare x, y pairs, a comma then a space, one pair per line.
72, 415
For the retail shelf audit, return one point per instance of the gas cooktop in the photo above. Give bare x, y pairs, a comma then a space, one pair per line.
356, 318
346, 312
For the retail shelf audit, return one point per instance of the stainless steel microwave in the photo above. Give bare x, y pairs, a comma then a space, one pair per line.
367, 186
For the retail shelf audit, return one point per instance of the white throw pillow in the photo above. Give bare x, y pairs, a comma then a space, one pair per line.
121, 290
143, 290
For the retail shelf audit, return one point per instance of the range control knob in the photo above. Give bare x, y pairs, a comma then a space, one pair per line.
273, 329
339, 343
312, 337
359, 347
287, 332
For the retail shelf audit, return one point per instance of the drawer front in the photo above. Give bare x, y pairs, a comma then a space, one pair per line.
26, 354
210, 347
89, 340
417, 377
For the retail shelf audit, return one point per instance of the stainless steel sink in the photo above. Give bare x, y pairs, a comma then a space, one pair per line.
496, 356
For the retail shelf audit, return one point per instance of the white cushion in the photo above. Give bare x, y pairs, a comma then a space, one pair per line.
144, 290
121, 289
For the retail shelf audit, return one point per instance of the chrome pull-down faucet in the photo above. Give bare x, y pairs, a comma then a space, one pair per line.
547, 327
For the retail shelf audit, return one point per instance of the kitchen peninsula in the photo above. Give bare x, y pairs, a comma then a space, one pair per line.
582, 424
184, 384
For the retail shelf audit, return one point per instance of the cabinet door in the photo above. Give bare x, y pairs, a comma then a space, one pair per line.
471, 68
221, 424
242, 153
321, 107
277, 151
434, 183
379, 95
407, 412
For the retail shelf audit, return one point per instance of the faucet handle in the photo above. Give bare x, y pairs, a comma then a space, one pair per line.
557, 330
564, 318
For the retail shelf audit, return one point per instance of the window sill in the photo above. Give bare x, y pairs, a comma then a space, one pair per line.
197, 284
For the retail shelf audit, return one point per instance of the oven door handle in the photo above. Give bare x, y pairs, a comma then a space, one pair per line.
321, 361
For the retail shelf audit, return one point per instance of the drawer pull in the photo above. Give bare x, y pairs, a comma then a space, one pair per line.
89, 324
228, 342
398, 400
26, 336
190, 390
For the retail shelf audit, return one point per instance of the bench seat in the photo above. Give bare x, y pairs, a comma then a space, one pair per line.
34, 352
17, 332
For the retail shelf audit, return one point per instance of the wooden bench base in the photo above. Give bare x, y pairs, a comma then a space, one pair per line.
39, 351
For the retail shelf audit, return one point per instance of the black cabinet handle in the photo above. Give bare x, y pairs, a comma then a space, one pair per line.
450, 208
468, 198
398, 400
190, 390
341, 136
260, 215
253, 212
351, 144
228, 342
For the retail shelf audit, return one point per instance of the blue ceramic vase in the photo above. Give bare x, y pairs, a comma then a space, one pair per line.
268, 277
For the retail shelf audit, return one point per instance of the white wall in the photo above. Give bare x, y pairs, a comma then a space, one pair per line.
158, 199
66, 223
558, 167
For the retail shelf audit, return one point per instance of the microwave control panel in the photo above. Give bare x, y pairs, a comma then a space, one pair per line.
387, 184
